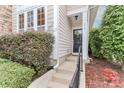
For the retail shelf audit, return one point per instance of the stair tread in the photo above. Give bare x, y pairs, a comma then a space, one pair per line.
53, 84
64, 71
62, 76
68, 65
66, 68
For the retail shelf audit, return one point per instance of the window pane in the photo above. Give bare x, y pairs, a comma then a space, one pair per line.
21, 21
30, 19
40, 16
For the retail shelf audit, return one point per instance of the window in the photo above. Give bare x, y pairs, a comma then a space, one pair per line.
40, 16
21, 21
30, 19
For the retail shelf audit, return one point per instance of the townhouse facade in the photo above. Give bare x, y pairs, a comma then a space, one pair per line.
69, 24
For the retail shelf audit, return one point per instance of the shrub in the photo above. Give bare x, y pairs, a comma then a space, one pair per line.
30, 48
14, 75
112, 34
95, 43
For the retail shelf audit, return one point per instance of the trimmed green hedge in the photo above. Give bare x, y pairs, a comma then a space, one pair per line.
112, 33
30, 48
14, 75
95, 43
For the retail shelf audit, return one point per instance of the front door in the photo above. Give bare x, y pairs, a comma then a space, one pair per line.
77, 40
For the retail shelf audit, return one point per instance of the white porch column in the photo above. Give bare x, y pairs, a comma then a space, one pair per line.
56, 22
85, 36
56, 32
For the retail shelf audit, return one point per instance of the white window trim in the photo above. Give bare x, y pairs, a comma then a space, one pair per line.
41, 26
35, 26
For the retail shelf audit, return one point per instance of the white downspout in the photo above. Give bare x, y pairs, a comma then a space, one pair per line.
56, 29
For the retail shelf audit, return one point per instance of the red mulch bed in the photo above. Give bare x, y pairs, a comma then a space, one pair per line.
94, 78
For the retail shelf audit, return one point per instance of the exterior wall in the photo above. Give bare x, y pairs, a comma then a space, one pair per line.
24, 9
76, 10
50, 18
14, 19
5, 18
78, 22
64, 33
74, 7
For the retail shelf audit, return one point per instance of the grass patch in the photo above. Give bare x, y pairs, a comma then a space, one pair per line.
14, 75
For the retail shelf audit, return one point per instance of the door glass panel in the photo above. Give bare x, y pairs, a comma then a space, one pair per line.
77, 39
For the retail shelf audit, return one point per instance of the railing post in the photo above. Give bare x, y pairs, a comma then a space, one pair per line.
79, 66
81, 60
76, 77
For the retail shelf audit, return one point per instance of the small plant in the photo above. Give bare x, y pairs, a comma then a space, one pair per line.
110, 75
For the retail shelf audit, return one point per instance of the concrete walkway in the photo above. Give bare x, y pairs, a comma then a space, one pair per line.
59, 78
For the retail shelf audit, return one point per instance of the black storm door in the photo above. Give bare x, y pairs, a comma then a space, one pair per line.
77, 39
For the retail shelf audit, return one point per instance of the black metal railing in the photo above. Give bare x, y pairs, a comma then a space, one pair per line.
76, 77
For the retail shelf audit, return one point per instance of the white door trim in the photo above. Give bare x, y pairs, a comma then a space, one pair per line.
73, 40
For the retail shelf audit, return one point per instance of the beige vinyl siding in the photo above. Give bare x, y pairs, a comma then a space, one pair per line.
14, 18
75, 10
50, 17
76, 23
50, 22
64, 33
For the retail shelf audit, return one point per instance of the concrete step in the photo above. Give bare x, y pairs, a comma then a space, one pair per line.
62, 78
64, 74
72, 58
68, 65
53, 84
68, 70
65, 71
69, 61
